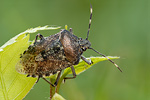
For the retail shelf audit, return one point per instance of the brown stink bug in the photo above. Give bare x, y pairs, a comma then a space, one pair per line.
52, 54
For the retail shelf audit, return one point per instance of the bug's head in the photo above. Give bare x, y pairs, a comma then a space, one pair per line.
84, 44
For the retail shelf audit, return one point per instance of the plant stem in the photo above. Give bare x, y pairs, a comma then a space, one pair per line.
52, 89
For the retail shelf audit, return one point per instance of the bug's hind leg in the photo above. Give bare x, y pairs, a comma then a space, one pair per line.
55, 84
74, 74
45, 80
87, 61
58, 77
48, 81
37, 79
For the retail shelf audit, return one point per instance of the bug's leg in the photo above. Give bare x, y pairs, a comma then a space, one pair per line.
74, 74
58, 77
48, 81
37, 79
38, 35
28, 75
87, 61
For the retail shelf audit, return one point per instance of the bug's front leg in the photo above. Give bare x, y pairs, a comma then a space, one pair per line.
74, 74
87, 61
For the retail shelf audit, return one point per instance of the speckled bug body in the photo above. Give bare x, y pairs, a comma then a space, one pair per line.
52, 54
60, 50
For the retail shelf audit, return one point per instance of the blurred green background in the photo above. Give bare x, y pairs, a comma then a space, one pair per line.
119, 28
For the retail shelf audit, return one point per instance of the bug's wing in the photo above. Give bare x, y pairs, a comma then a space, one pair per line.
20, 68
26, 65
71, 46
53, 51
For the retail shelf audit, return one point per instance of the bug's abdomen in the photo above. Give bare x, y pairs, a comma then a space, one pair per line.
28, 65
51, 66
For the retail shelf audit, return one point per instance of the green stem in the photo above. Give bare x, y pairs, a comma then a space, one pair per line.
52, 89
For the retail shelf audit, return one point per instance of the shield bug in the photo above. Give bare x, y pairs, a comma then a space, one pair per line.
52, 54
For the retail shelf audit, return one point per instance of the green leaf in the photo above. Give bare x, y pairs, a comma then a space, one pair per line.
12, 84
57, 97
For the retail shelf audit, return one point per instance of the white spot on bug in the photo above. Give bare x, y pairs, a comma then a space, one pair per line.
91, 10
63, 57
61, 48
39, 58
44, 55
49, 52
90, 21
58, 45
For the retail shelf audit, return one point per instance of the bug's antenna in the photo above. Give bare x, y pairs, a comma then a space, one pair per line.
107, 58
89, 22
